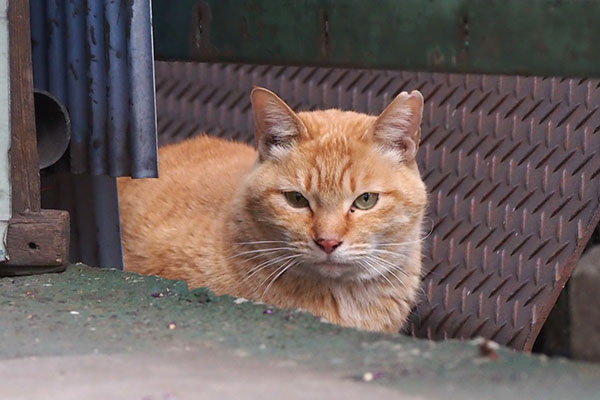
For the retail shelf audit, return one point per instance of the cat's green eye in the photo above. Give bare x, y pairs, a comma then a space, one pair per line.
366, 201
296, 199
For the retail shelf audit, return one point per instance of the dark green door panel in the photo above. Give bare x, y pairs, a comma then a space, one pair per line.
539, 37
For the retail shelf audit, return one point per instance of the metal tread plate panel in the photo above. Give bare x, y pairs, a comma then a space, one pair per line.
510, 164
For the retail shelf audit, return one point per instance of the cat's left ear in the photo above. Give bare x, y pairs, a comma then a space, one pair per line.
276, 126
398, 127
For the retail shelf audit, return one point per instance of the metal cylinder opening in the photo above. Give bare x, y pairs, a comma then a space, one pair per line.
53, 127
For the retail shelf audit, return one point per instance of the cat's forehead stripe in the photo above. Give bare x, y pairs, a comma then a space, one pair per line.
338, 160
330, 177
308, 181
345, 168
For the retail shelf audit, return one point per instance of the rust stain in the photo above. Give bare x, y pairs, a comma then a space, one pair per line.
200, 31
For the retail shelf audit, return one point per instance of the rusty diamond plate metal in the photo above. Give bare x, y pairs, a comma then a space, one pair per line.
510, 163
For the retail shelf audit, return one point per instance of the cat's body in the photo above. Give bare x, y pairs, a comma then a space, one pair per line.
289, 225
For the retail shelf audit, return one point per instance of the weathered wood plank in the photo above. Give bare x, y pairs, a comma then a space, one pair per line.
38, 239
25, 177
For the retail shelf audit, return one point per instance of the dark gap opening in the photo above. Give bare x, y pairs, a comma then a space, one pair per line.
559, 336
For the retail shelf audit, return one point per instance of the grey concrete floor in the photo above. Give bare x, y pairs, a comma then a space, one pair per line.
175, 376
102, 334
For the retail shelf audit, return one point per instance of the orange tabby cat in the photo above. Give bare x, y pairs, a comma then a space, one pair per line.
325, 217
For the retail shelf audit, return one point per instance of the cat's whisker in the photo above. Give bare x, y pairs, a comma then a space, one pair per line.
256, 287
265, 264
374, 268
272, 249
270, 262
387, 270
279, 268
264, 242
356, 255
396, 254
359, 244
392, 258
397, 268
361, 264
256, 256
366, 266
262, 255
430, 229
399, 252
393, 266
386, 264
290, 265
410, 242
383, 262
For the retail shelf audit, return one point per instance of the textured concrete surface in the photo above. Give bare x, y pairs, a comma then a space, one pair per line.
159, 336
193, 375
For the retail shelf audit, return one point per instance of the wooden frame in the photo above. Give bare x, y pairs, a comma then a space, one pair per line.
37, 240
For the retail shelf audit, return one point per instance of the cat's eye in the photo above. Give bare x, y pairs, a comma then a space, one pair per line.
296, 199
366, 201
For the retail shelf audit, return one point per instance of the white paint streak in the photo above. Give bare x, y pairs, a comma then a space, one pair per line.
5, 200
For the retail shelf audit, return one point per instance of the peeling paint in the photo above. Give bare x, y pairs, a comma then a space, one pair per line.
5, 200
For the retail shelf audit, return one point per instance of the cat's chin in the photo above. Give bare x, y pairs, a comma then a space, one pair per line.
333, 270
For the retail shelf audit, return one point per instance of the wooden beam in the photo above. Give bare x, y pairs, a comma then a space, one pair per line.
37, 240
25, 177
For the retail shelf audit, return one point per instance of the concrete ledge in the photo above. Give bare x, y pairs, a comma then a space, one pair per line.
92, 311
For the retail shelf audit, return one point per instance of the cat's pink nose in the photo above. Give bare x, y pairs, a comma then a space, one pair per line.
328, 245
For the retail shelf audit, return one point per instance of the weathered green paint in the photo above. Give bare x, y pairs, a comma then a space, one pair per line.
87, 310
541, 37
5, 135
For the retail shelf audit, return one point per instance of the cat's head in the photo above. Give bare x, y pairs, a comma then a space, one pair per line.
337, 193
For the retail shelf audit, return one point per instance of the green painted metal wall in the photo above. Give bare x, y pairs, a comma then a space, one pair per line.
541, 37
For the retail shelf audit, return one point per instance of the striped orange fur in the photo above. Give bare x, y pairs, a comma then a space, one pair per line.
219, 216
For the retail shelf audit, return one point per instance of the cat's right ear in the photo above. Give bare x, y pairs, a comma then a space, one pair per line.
276, 126
398, 127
